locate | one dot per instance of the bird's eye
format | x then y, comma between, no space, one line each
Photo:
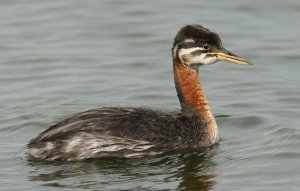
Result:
205,46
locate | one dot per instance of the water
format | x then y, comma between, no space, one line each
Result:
62,57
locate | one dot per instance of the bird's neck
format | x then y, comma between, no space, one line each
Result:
194,104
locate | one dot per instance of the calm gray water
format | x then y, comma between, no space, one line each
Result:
61,57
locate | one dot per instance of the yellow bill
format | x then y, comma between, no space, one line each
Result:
230,57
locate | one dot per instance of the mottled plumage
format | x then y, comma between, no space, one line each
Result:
116,132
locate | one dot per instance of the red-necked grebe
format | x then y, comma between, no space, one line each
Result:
136,132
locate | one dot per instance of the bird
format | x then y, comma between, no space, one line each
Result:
129,132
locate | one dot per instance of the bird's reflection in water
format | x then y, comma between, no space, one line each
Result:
187,170
199,172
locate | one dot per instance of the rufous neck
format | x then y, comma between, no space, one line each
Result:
190,93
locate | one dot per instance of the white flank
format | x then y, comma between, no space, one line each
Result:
73,143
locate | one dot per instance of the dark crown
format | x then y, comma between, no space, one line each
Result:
199,34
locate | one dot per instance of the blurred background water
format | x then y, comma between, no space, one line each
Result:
61,57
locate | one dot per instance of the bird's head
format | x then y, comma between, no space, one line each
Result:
195,45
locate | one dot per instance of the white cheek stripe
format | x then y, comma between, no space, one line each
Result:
199,59
186,52
196,59
189,50
189,40
175,51
203,59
